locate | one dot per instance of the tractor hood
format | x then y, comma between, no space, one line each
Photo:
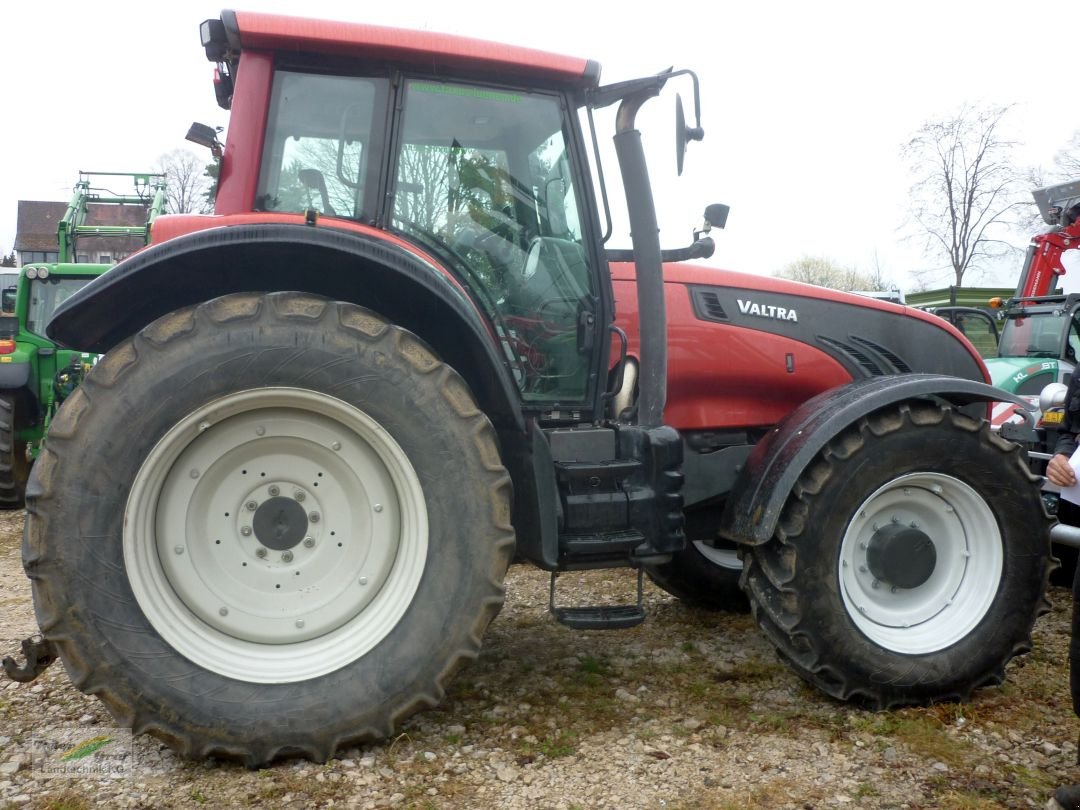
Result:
868,336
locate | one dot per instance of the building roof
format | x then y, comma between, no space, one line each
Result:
37,221
36,228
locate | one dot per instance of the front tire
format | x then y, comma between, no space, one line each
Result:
703,576
909,563
268,525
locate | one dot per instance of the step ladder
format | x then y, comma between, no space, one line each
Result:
599,617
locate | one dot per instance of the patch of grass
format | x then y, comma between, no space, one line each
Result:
777,793
963,800
921,731
68,800
866,791
562,744
595,666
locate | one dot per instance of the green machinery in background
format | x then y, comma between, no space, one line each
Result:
35,374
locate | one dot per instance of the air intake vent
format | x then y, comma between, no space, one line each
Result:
707,306
852,357
898,364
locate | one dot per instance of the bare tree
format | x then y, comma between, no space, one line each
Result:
187,183
968,192
826,273
1067,160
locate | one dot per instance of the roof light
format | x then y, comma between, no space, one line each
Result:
996,302
31,272
43,272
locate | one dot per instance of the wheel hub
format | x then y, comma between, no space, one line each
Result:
910,593
275,534
280,523
901,555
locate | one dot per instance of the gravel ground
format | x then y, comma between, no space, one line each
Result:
689,710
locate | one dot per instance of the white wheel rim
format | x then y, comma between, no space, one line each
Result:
725,557
275,535
957,594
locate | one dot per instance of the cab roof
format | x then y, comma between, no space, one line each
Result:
285,34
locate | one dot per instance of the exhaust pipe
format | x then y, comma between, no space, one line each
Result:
645,236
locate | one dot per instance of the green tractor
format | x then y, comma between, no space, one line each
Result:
35,374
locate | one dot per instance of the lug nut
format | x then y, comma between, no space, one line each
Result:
309,542
314,517
251,506
246,531
299,496
286,556
275,490
260,553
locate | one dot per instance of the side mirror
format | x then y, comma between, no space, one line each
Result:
204,135
716,215
684,134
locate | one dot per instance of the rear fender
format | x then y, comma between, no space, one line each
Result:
754,505
380,274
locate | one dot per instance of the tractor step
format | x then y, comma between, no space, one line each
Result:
599,617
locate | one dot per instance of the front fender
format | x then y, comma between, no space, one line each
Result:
754,505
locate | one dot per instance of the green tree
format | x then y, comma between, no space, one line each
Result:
212,174
8,260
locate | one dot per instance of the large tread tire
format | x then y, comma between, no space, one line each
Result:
87,568
14,466
848,636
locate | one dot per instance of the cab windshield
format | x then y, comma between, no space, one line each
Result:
1040,334
46,294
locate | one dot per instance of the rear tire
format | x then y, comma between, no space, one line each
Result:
14,466
849,592
268,525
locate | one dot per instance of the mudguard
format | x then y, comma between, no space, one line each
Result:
14,375
380,274
754,505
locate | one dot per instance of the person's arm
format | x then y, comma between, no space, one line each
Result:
1058,469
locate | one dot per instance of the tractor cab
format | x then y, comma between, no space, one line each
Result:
480,178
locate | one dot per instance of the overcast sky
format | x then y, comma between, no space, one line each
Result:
805,105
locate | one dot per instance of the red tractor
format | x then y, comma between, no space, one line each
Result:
276,516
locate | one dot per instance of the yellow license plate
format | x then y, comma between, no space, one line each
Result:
1053,417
